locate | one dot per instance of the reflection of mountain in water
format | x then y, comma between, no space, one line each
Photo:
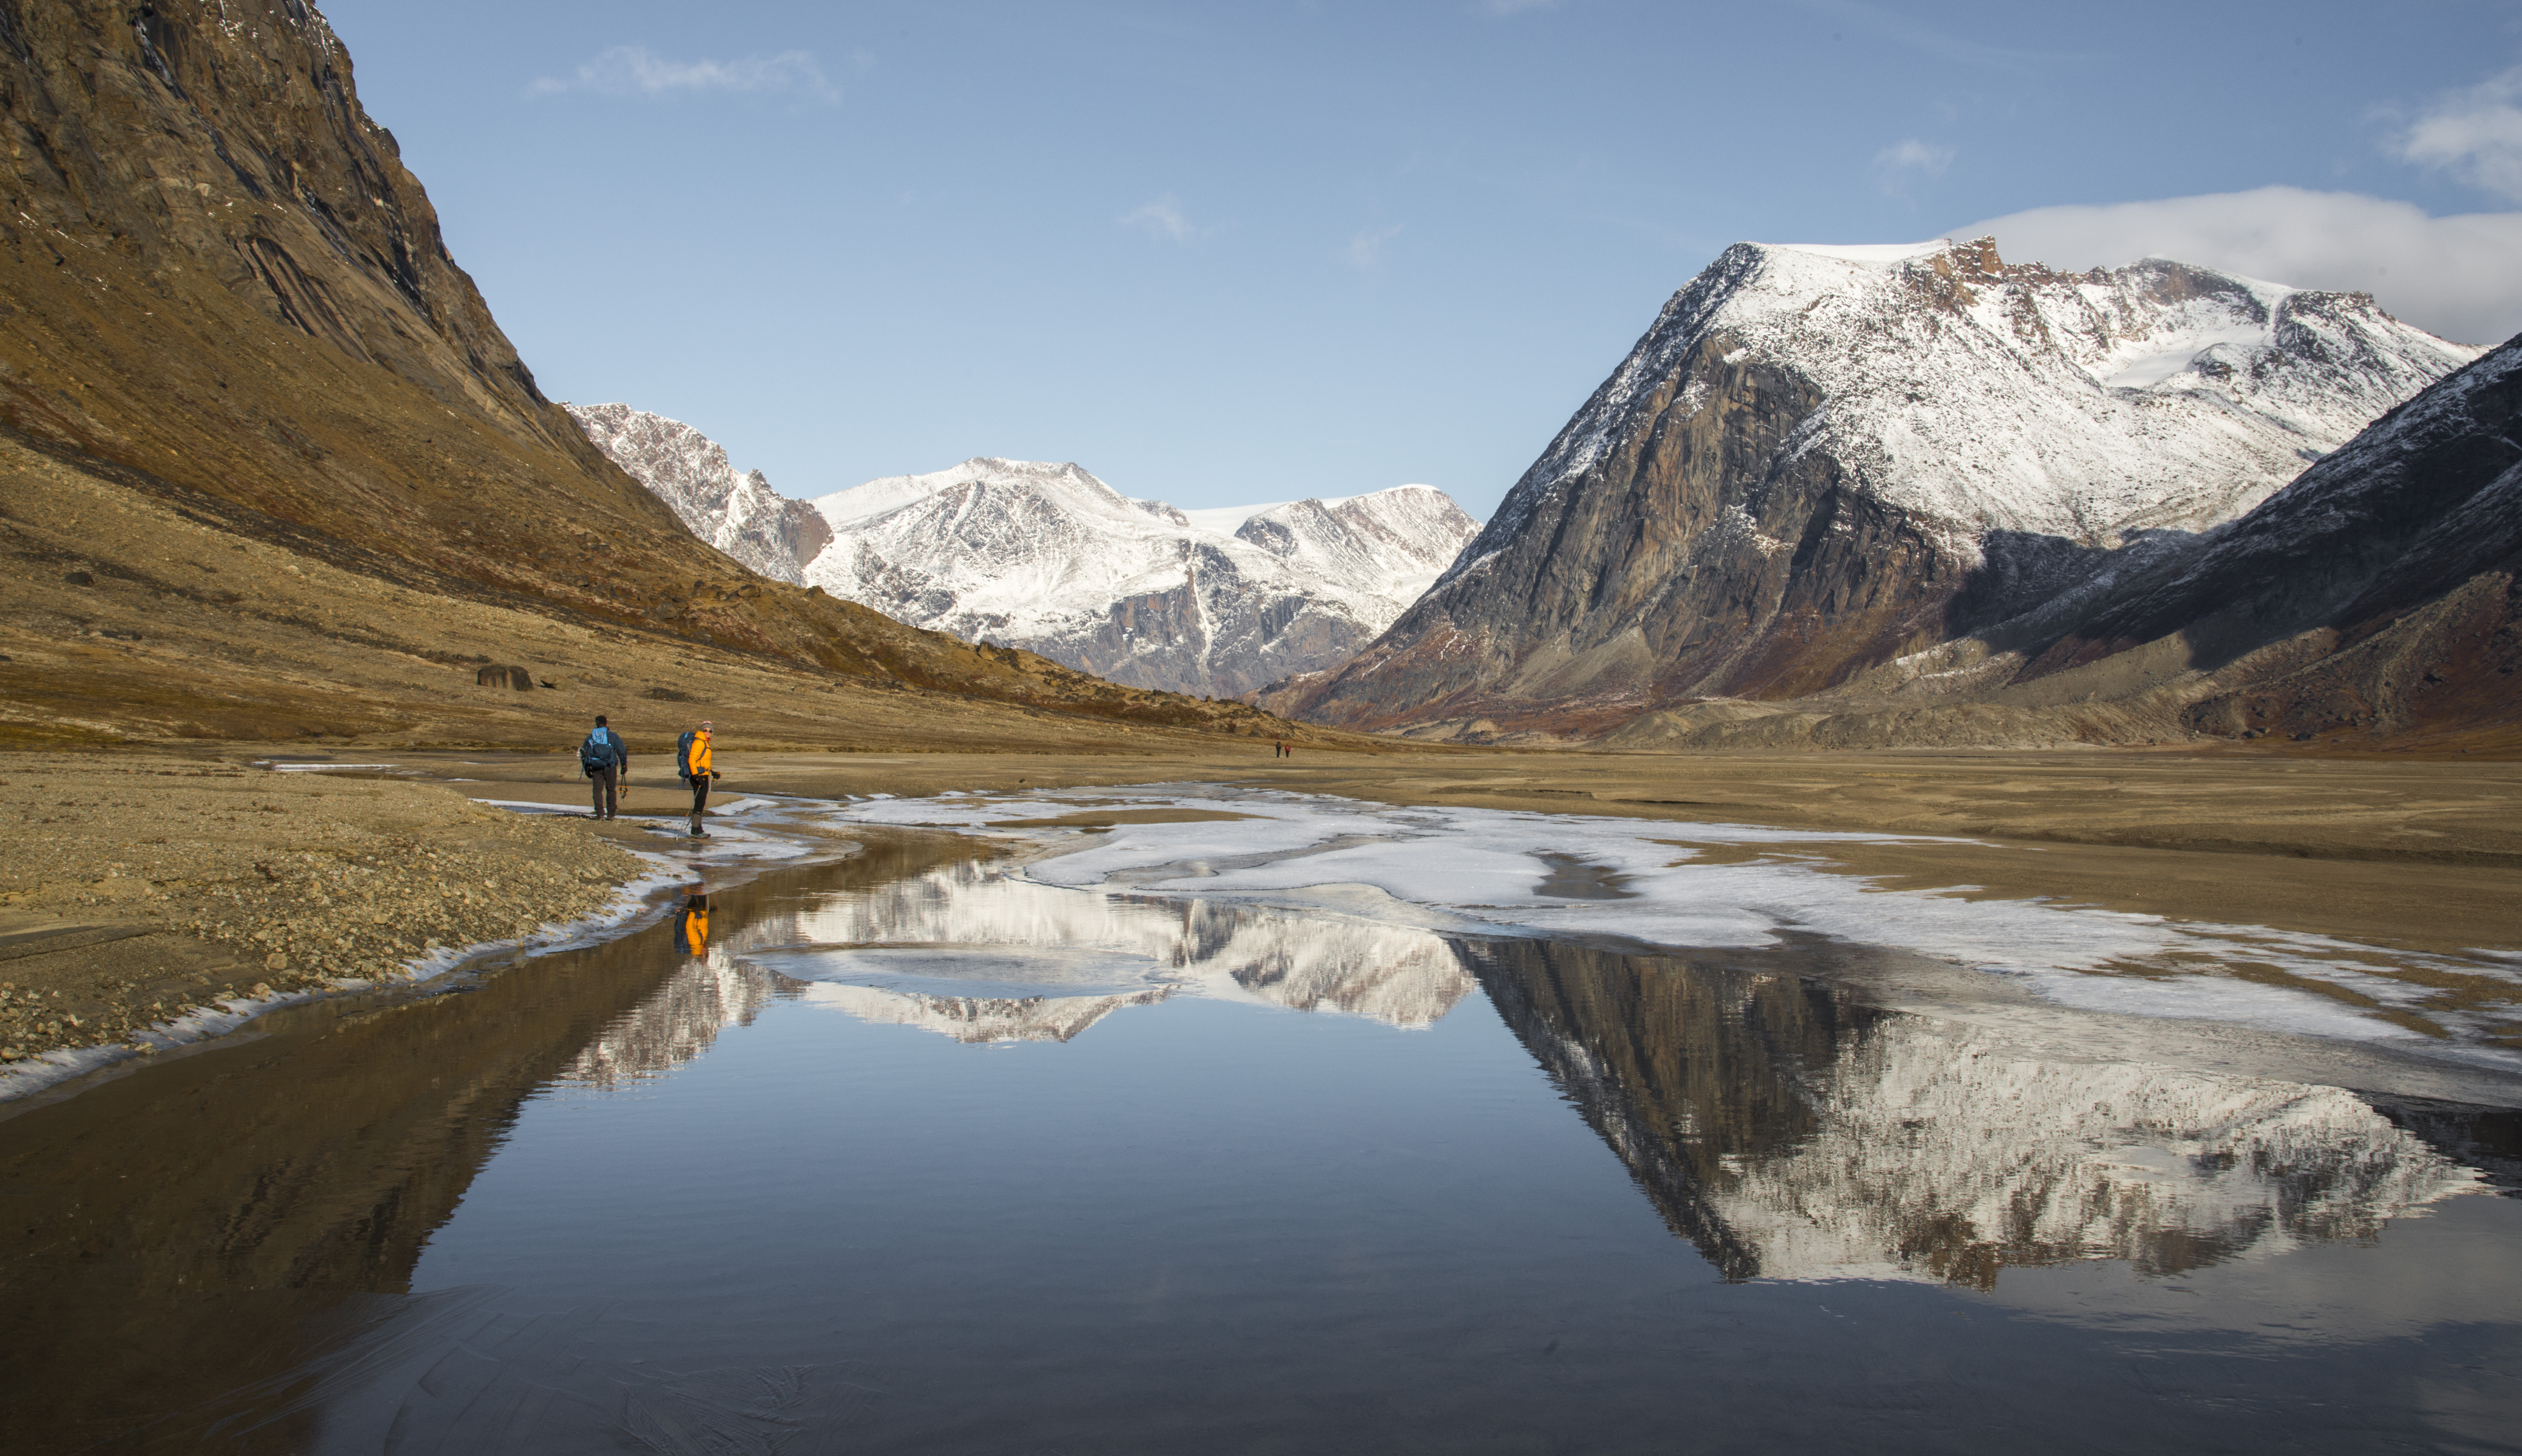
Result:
1793,1133
675,1023
980,1018
1402,976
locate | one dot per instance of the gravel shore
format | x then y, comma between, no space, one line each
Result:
141,888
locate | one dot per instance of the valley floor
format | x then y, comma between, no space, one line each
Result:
145,884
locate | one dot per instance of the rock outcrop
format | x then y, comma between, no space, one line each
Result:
739,514
1822,461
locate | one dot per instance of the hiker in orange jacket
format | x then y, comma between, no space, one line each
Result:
698,773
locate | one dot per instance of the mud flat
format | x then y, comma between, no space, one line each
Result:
2425,855
146,885
143,889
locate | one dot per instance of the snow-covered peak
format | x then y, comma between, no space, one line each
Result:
1051,558
1041,555
1067,482
1403,538
1991,397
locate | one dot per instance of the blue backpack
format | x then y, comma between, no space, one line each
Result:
596,752
683,753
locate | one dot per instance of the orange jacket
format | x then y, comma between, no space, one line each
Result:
700,756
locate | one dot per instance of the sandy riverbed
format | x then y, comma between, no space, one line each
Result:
247,865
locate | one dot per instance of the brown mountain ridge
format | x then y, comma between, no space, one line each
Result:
230,328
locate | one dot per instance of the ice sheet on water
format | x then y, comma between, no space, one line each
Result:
1485,869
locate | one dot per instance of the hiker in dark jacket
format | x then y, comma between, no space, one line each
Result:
607,760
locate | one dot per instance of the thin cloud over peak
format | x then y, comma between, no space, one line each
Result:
1161,218
2451,275
1366,250
636,70
2475,133
1896,167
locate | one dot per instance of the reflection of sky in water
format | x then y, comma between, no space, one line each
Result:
968,971
1494,869
1782,1124
1514,1194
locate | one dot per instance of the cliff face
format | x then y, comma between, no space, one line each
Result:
2376,596
225,303
739,514
220,273
1819,460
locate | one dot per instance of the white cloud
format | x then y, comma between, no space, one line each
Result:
1896,167
2475,134
2454,276
1161,218
1366,250
636,70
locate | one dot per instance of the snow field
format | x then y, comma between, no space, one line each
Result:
1481,869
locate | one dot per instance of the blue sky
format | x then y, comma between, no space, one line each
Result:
1235,253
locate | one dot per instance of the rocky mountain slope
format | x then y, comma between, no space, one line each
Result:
739,514
2370,604
1822,461
230,319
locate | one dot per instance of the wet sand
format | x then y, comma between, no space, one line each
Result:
140,889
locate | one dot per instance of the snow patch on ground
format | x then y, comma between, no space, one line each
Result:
1482,870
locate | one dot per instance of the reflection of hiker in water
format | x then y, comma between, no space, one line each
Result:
695,925
692,762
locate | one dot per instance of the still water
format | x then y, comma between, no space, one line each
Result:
920,1151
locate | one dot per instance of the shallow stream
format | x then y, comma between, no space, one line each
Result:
1134,1147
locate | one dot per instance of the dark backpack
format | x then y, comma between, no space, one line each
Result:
683,753
595,752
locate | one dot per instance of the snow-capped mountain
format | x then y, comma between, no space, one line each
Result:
739,514
1820,459
1049,558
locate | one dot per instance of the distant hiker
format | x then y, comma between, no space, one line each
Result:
692,762
1278,748
694,929
606,760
